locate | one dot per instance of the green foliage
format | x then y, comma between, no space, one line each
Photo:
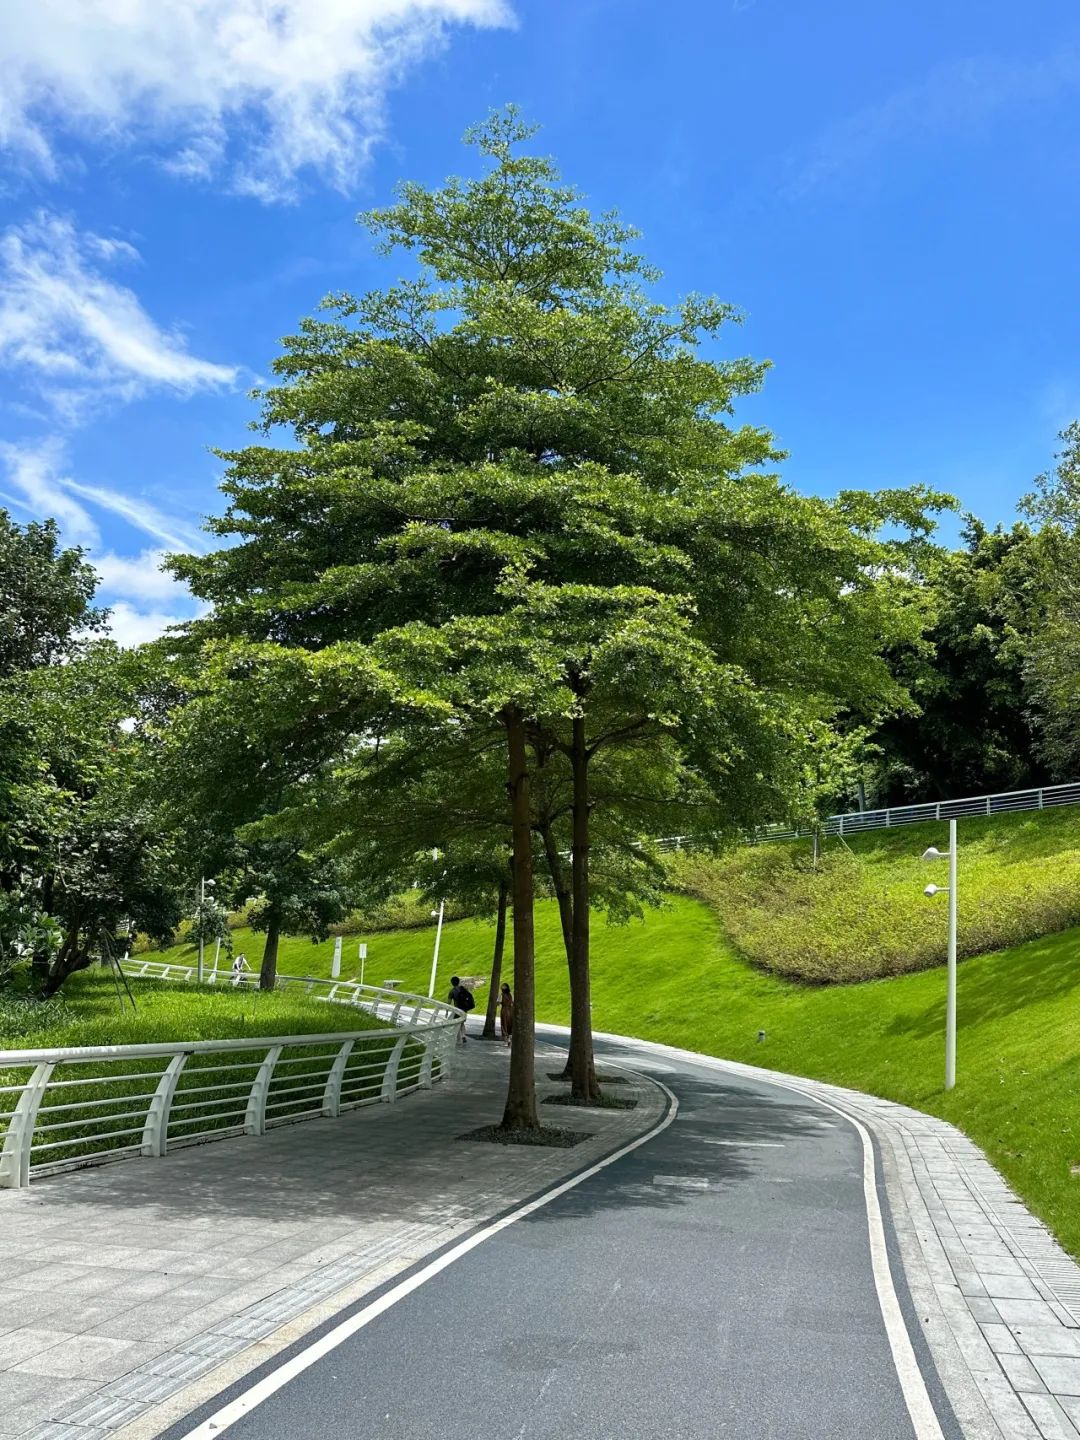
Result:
45,595
861,913
81,853
973,730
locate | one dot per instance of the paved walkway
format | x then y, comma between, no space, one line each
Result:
130,1291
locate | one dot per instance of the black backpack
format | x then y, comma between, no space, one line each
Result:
463,999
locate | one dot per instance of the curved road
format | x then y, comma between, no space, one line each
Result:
717,1281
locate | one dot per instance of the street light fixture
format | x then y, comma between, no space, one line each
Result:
933,853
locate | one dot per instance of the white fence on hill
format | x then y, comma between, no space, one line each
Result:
853,822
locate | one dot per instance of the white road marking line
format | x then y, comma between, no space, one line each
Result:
923,1416
748,1144
255,1394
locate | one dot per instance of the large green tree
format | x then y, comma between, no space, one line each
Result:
513,498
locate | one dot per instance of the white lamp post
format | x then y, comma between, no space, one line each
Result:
950,996
203,883
438,937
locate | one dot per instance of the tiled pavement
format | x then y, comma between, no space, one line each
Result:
129,1291
998,1299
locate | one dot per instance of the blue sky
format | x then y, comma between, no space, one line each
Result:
889,191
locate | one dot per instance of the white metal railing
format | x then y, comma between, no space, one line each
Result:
852,822
397,1006
64,1108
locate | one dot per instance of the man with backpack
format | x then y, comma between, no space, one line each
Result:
461,997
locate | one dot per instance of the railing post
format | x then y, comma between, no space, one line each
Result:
255,1118
390,1074
988,810
428,1043
1040,798
396,1012
15,1156
841,824
331,1100
155,1137
415,1019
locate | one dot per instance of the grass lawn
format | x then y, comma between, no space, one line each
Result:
90,1014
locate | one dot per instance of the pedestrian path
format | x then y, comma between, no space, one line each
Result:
129,1292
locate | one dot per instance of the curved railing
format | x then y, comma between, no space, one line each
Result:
69,1107
375,999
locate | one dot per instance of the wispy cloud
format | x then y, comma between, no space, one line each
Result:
140,513
957,97
258,91
38,484
78,335
35,485
143,600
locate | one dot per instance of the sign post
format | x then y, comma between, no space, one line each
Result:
335,968
363,959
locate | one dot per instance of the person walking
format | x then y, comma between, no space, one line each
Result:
461,997
506,1012
239,966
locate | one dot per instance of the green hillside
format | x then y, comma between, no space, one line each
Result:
861,913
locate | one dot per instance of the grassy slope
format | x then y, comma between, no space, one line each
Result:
675,978
861,914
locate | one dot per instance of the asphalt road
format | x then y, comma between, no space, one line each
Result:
715,1282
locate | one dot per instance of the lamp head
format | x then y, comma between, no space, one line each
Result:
932,890
933,853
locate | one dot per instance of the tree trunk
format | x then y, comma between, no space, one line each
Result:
496,963
520,1112
560,885
268,968
68,959
583,1084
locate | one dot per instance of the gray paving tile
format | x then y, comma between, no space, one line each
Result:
1060,1374
1052,1421
1049,1340
89,1357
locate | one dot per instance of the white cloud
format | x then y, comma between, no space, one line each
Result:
140,513
42,489
264,89
138,577
129,626
78,334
